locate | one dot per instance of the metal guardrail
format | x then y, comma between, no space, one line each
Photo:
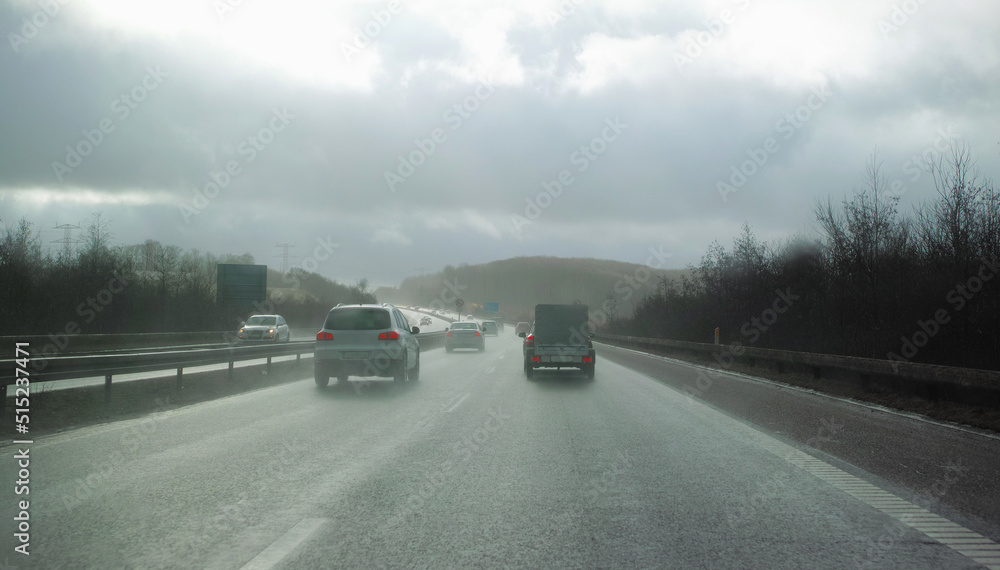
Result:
44,368
968,383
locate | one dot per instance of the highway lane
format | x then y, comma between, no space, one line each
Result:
472,465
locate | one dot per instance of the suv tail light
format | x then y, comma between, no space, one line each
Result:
477,333
322,335
447,333
391,335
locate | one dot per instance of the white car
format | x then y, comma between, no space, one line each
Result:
366,341
264,328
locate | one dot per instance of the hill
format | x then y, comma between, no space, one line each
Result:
518,284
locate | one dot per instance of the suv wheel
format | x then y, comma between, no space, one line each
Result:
415,373
322,379
399,376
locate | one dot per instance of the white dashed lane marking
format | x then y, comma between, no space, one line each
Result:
282,547
457,403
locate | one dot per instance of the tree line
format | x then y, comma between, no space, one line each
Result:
877,282
105,288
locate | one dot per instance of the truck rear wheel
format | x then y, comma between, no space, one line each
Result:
529,370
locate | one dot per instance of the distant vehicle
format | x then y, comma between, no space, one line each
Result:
264,328
559,338
366,341
490,328
464,335
521,327
425,321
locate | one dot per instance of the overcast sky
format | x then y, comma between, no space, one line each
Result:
417,134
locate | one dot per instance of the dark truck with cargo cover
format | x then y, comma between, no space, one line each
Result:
560,339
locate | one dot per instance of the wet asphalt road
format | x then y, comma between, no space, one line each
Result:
474,466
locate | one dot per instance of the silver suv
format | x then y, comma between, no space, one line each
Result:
367,341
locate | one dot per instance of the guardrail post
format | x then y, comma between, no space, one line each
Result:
298,356
107,388
180,378
268,364
3,405
816,372
230,370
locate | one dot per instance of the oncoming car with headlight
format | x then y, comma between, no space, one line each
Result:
264,328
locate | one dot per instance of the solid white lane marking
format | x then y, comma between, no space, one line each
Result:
491,369
282,547
452,407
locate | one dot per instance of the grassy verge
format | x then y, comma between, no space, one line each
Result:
981,417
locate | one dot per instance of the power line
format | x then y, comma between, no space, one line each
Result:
67,239
285,256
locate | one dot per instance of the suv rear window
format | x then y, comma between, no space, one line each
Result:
359,319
